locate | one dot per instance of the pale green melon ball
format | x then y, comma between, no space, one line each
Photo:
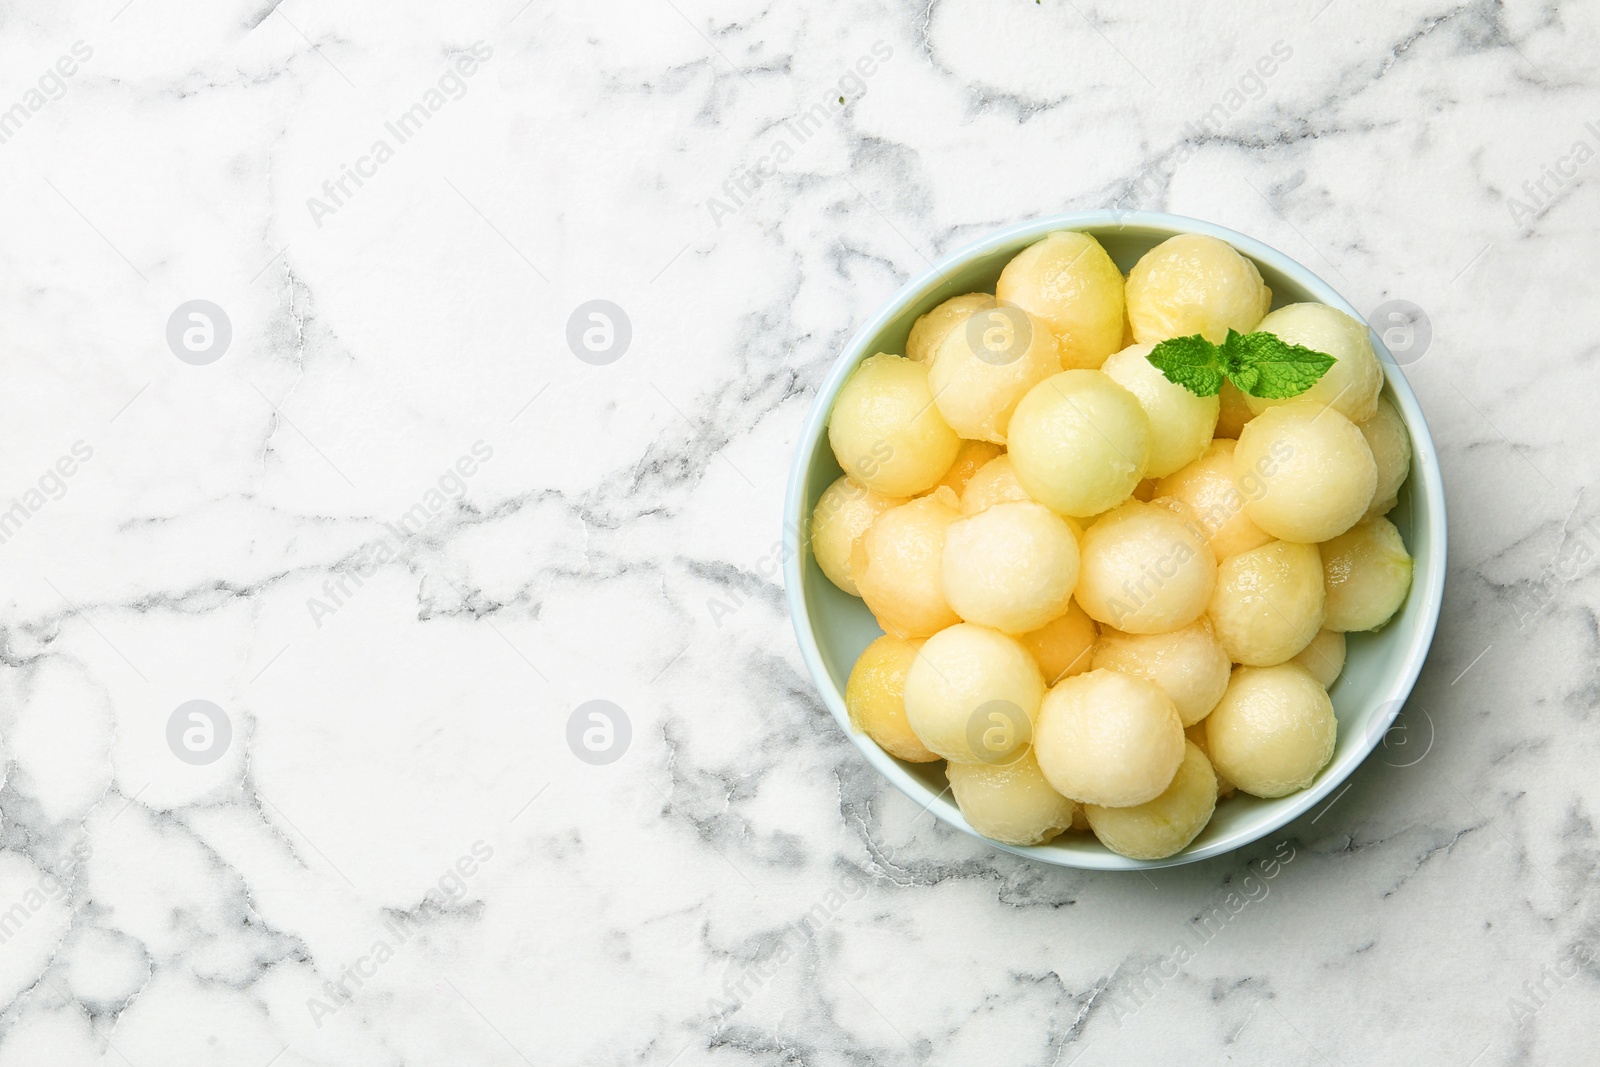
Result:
1164,826
1079,443
1192,284
843,513
972,694
1106,738
1268,603
1010,802
1317,473
932,327
1012,566
1273,730
1367,573
1181,424
1070,282
984,367
1390,442
885,430
1352,384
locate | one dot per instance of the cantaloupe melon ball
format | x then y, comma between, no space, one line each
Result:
983,368
1105,738
1323,657
1013,566
843,513
1233,413
1390,442
1145,569
1317,473
1269,602
1063,646
931,328
1192,284
1079,443
1188,664
994,483
885,430
972,694
1010,802
1068,281
1196,736
1181,424
1367,573
875,696
1272,731
1210,489
972,457
1164,826
1351,385
896,564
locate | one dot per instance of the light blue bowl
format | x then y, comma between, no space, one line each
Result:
833,627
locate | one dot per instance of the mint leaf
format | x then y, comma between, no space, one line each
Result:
1265,365
1192,362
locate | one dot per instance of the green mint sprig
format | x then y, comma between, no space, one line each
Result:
1261,364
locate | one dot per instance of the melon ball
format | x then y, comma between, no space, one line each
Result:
1233,411
972,457
1068,281
1351,385
994,483
1323,657
1272,731
1164,826
985,367
1192,284
1010,802
1367,573
1390,441
932,327
1105,738
1145,570
896,566
1189,665
1196,736
1269,602
1181,424
972,694
885,430
1063,646
1211,490
843,513
1079,443
875,696
1013,566
1317,473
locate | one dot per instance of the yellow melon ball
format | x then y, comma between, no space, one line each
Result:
875,696
1079,443
1192,284
1210,489
972,694
1367,573
1233,411
1351,385
1063,646
1105,738
1010,802
896,566
1181,424
1317,473
1268,603
994,483
1196,736
972,457
843,513
1164,826
1323,657
1390,441
1068,281
1145,569
931,328
1012,566
983,368
1272,731
1188,664
885,430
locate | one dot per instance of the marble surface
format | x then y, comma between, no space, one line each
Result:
398,535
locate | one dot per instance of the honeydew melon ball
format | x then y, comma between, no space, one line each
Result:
1234,411
896,565
1079,443
875,696
972,457
1012,566
986,365
1192,284
1317,475
1390,442
932,327
1063,646
1145,569
1010,802
843,513
1273,730
1367,573
1164,826
1070,282
1269,602
1352,384
1106,738
1323,657
994,483
1210,489
1196,736
972,694
885,430
1188,664
1181,424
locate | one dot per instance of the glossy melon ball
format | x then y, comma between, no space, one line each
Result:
1105,738
1196,736
1233,412
971,458
1181,423
1323,657
896,566
1063,646
1010,802
1367,573
885,430
1164,826
983,368
843,513
1079,443
1210,489
875,696
1272,731
1317,473
1068,281
1012,566
1145,569
1351,385
1189,665
972,694
1390,442
1269,602
1192,284
932,327
994,483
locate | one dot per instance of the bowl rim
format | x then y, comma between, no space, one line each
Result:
1430,499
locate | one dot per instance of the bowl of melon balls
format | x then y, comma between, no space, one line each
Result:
1116,539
